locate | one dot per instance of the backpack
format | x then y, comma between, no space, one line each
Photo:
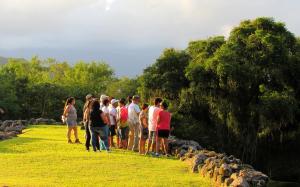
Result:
123,114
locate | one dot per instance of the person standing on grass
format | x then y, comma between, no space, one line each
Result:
98,126
163,128
133,121
86,112
122,118
152,122
129,101
143,118
113,120
70,115
105,111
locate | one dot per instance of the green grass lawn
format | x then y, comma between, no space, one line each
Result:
42,157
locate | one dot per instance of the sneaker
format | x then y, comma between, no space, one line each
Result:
70,141
77,141
157,154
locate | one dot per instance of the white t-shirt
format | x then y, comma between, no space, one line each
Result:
133,110
105,109
152,118
112,114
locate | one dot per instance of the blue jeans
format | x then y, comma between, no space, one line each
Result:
87,135
102,133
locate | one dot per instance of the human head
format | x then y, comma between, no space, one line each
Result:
95,105
157,101
89,97
145,107
129,99
114,102
122,102
105,102
70,101
103,97
136,99
164,105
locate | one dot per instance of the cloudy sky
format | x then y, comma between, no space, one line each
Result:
127,34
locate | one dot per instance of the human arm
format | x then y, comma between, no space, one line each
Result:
66,111
104,118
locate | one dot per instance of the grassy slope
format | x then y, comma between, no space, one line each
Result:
41,157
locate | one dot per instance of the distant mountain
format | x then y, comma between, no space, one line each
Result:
3,60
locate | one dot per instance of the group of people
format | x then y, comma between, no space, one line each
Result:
140,128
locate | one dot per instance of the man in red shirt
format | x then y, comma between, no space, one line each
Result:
163,128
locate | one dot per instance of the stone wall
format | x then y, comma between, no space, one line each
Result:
11,128
223,170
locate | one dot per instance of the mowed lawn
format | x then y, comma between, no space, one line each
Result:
42,157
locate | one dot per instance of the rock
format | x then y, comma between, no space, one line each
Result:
181,154
198,160
228,181
225,170
234,176
18,128
211,154
240,182
32,121
255,178
225,160
7,123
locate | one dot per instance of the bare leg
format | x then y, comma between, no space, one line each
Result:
69,134
154,146
158,145
166,146
131,139
149,145
75,132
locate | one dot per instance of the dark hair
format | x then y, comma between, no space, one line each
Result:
157,100
105,102
69,101
145,105
129,99
95,105
164,104
122,101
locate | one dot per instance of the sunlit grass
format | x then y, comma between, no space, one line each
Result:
42,157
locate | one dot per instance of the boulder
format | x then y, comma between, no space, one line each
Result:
225,170
18,128
198,160
228,181
240,182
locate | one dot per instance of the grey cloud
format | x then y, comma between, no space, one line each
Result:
131,32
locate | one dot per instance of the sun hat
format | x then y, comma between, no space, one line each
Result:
88,96
103,97
113,101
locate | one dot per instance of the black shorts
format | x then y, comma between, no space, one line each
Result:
163,133
112,130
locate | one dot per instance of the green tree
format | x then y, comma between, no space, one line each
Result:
166,76
123,87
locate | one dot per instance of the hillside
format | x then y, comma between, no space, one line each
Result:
41,157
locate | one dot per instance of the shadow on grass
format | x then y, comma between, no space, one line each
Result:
11,145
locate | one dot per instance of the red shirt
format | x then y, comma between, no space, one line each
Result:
165,120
